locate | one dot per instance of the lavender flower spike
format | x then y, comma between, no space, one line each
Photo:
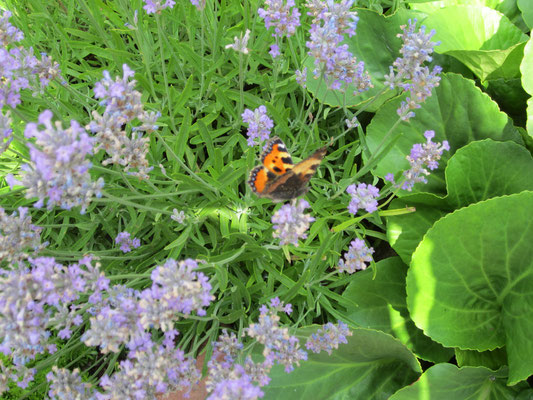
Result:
363,196
328,337
290,223
240,44
356,257
126,242
259,124
156,6
283,15
59,169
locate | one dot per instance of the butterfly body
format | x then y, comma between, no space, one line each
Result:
278,178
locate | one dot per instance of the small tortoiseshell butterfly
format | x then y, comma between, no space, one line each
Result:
279,178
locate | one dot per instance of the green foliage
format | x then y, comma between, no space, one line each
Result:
453,271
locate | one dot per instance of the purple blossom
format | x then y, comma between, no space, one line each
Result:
328,337
259,124
177,288
239,44
274,51
239,387
199,4
8,33
301,77
334,61
355,258
59,169
282,15
290,222
422,156
280,346
407,71
6,133
126,242
123,105
152,371
363,196
66,384
156,6
17,235
37,298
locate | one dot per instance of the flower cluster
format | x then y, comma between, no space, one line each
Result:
177,288
280,346
333,60
39,298
229,380
283,15
124,315
19,68
122,106
356,257
155,370
199,4
6,133
17,234
239,44
126,242
363,196
63,381
422,156
328,337
410,75
290,222
178,216
59,169
259,124
301,77
153,7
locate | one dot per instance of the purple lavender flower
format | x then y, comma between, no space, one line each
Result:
156,6
8,33
422,156
355,258
199,4
59,169
123,105
328,337
238,386
290,222
17,234
177,288
410,75
6,133
33,300
115,321
155,370
282,15
274,51
280,347
333,61
259,124
301,77
19,68
68,384
351,123
363,196
240,43
126,242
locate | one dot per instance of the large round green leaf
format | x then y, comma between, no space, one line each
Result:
469,285
481,38
457,111
373,365
375,43
381,305
527,81
446,381
476,172
526,7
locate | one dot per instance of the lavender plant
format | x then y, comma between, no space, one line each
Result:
176,278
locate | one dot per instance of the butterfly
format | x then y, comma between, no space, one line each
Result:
278,178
